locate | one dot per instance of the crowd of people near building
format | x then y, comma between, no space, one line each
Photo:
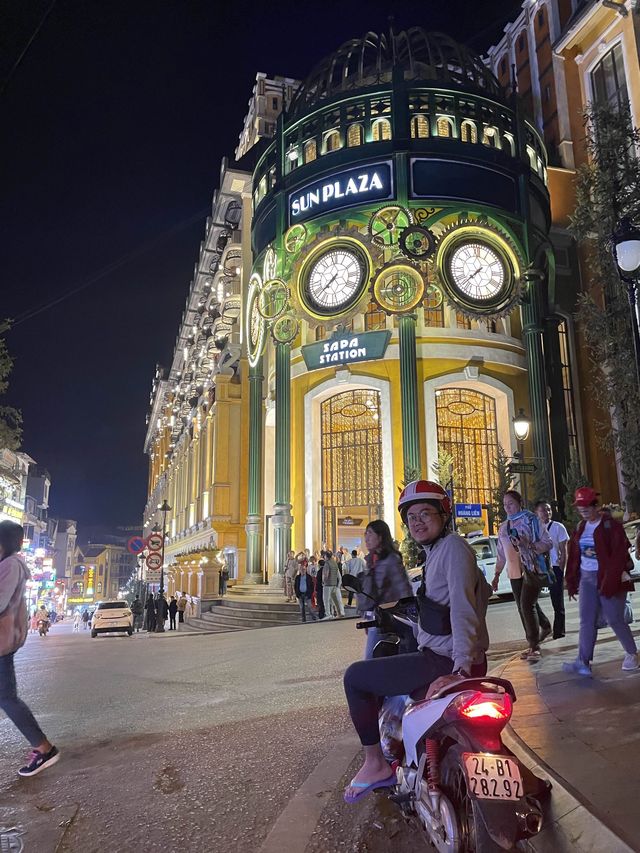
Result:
315,581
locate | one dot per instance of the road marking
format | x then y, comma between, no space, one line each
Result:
292,829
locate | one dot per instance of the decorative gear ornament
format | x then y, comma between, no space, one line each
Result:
480,269
273,299
386,225
285,329
398,287
255,326
270,264
417,242
295,238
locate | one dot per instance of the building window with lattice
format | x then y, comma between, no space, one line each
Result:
331,141
467,429
310,151
374,318
355,135
462,321
419,127
468,132
433,307
445,126
381,129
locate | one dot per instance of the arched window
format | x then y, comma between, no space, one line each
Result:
510,143
445,127
355,135
381,129
467,429
419,127
331,141
374,318
433,307
490,137
310,151
468,131
99,589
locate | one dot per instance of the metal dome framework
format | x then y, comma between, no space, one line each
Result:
370,60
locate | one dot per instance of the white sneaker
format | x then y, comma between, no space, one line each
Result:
630,663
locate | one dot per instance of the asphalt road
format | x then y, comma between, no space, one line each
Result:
192,742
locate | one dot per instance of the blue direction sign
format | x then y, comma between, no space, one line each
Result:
136,544
468,510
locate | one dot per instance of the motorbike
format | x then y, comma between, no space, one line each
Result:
43,627
465,790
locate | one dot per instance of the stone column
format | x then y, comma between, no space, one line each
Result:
282,518
253,524
409,393
532,330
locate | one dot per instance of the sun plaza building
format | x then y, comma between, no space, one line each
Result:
377,286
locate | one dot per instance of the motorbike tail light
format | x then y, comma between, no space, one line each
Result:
481,709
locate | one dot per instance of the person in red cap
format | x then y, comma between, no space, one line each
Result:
597,572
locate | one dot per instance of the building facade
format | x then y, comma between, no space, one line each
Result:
566,55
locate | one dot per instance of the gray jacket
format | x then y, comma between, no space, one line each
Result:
452,578
386,581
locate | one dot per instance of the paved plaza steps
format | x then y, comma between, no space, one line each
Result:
251,608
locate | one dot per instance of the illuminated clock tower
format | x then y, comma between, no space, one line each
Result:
396,304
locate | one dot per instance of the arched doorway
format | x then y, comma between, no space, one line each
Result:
351,454
467,429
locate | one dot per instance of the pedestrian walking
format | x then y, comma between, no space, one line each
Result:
173,609
558,556
290,571
524,546
320,589
385,578
85,619
150,608
14,575
303,587
598,573
77,618
330,592
182,606
355,565
34,622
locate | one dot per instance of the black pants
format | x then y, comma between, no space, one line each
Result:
366,682
172,622
532,616
151,621
180,616
556,591
350,599
319,588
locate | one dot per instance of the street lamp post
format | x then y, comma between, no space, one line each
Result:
625,243
164,509
521,427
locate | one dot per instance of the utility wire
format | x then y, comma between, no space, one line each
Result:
105,271
26,47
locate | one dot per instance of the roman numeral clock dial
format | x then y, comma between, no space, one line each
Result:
477,270
333,281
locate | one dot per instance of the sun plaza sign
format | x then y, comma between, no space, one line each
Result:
344,348
360,185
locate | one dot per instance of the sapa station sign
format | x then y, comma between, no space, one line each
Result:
342,189
344,348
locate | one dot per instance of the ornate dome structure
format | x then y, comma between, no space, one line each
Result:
370,60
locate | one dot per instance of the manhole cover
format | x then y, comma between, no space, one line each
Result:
11,840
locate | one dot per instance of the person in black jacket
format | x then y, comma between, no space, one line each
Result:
137,608
319,589
150,607
173,609
303,588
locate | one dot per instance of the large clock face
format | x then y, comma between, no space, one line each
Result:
477,270
334,281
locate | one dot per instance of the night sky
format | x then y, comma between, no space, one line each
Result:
114,124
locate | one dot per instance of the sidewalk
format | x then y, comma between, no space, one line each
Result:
585,733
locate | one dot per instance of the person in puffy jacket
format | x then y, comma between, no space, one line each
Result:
385,578
13,632
598,573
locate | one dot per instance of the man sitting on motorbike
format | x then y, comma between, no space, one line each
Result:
452,636
43,616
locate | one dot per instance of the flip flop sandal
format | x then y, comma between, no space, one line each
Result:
367,787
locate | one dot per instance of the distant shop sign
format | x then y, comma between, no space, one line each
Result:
468,510
373,182
12,512
344,348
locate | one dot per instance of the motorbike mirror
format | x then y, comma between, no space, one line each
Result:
351,583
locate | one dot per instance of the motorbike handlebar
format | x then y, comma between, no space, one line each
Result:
371,624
